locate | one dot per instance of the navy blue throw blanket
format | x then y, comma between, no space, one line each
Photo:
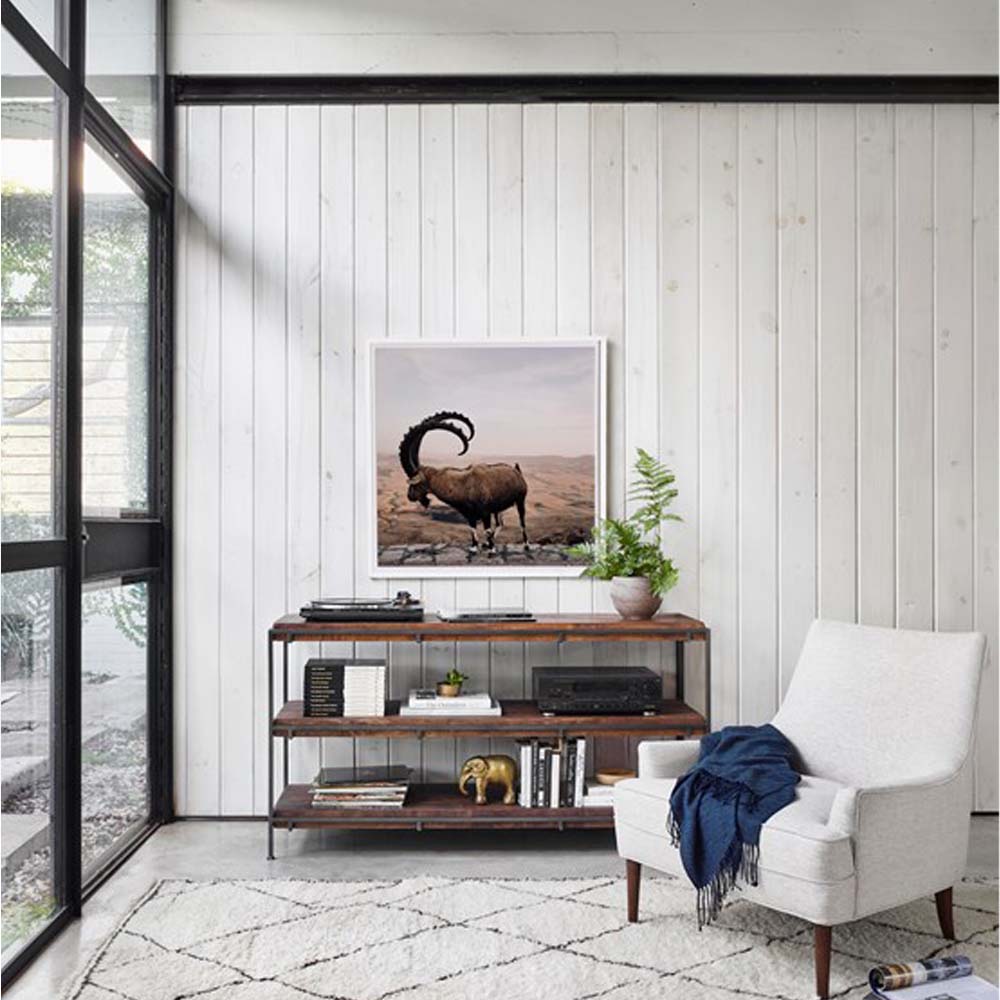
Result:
744,775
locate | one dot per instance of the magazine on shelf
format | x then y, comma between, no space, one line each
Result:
949,978
492,708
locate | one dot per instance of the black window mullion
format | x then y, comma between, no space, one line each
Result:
67,680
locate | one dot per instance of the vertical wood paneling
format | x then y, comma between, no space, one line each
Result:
986,364
607,294
876,451
236,641
337,403
717,401
269,414
573,287
303,394
953,355
800,306
914,367
837,263
757,402
797,384
202,455
679,284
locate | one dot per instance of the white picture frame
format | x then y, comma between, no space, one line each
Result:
380,554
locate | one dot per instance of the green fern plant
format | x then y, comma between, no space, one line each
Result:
632,546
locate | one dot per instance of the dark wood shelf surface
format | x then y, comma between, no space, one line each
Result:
520,718
434,807
545,628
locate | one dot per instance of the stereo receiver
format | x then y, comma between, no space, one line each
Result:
596,690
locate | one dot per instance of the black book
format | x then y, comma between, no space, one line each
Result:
569,785
324,688
535,751
544,773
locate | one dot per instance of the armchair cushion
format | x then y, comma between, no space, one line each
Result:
796,841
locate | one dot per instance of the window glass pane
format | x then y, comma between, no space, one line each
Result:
114,750
29,122
26,824
115,335
121,65
41,15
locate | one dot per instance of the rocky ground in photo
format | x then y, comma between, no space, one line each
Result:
457,555
559,509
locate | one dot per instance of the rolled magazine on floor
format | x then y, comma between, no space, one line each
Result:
933,979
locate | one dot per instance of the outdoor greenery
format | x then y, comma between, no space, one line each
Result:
115,287
632,546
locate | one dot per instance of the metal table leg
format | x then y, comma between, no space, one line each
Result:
284,693
708,681
270,749
679,670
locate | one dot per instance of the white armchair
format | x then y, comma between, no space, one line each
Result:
882,721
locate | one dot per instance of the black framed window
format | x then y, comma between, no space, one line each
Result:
85,513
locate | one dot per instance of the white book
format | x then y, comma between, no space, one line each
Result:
581,771
554,758
524,776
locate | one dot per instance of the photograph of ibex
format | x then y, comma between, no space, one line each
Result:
487,457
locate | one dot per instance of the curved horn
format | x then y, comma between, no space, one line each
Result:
409,447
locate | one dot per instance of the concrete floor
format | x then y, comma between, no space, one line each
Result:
204,849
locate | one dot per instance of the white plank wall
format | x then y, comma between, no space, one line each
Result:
800,304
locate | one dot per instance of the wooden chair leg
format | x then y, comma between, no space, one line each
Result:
633,872
946,916
822,942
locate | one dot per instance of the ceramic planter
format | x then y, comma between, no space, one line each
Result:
633,599
449,690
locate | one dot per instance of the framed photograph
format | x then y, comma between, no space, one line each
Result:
487,457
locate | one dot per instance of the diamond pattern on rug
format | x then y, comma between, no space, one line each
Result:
182,920
263,952
414,961
661,897
553,922
550,973
779,969
495,939
165,976
670,944
444,902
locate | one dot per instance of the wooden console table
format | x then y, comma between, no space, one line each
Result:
435,806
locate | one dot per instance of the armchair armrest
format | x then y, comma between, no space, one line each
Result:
667,758
909,839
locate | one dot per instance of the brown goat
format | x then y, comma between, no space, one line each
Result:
480,492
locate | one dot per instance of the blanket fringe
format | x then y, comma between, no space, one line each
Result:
739,865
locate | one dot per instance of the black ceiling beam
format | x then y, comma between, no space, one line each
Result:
528,89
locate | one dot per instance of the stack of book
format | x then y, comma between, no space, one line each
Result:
425,701
344,687
599,796
360,788
552,775
364,689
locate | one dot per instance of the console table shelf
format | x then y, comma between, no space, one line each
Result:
519,719
434,806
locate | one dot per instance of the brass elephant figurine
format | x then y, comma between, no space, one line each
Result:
493,769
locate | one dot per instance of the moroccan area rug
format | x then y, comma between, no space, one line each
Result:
496,939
